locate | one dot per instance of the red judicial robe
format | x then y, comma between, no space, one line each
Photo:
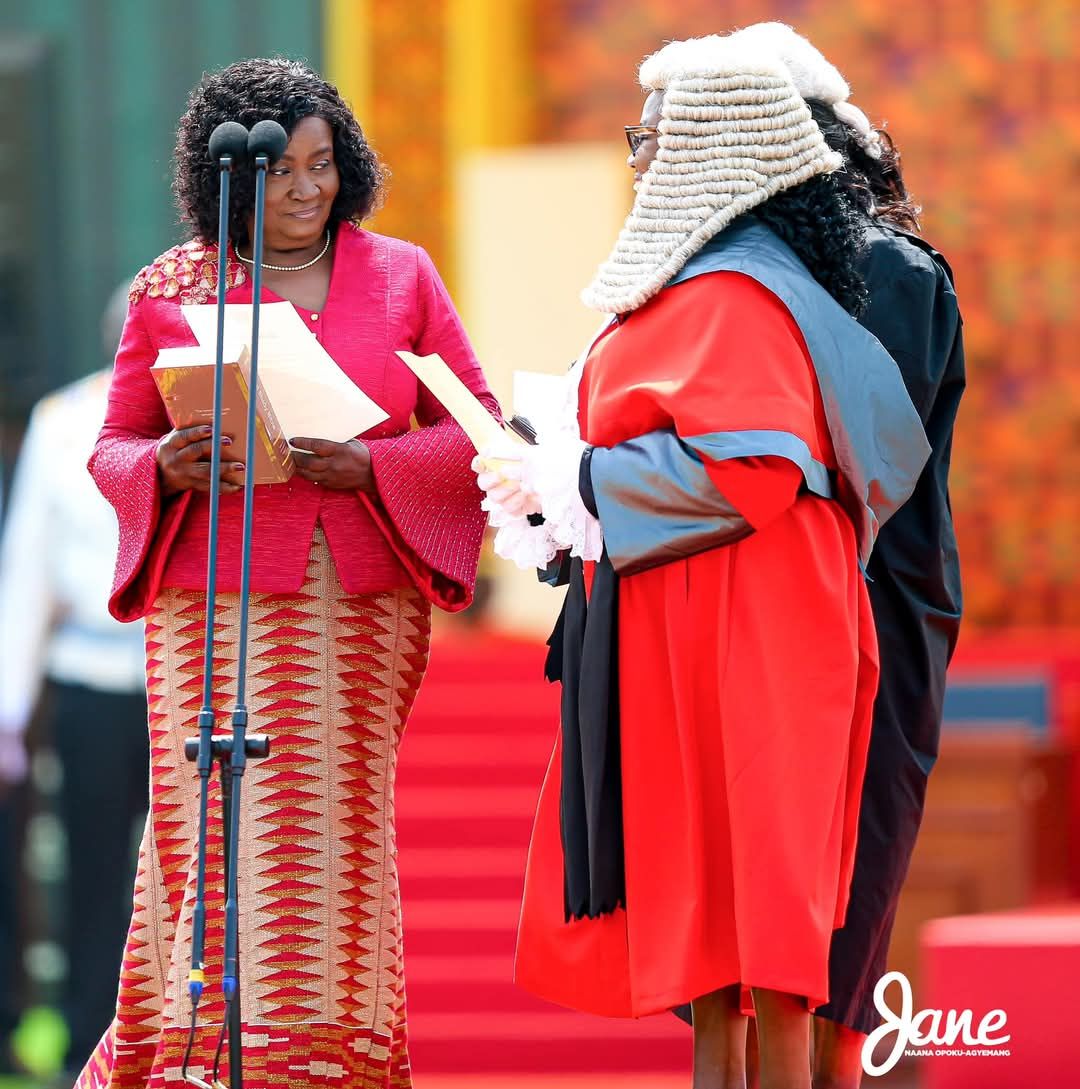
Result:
747,675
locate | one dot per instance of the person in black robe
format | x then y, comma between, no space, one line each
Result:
914,591
914,586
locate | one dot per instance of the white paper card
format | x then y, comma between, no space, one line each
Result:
482,429
312,396
540,398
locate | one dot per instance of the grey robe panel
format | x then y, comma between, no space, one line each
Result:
654,498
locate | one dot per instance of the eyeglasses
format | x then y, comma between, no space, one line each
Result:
636,135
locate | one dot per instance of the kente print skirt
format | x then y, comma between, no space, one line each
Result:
331,678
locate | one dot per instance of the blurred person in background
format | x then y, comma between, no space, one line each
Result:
56,557
696,831
914,572
348,558
12,773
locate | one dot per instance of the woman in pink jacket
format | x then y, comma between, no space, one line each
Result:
347,559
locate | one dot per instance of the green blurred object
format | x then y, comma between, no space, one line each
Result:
39,1044
90,93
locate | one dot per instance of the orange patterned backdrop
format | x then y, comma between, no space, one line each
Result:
983,98
406,120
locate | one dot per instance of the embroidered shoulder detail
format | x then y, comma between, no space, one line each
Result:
187,273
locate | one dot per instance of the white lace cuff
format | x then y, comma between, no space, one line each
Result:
517,540
552,472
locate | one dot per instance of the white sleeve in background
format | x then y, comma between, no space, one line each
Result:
27,596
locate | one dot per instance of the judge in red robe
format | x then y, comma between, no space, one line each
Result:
738,439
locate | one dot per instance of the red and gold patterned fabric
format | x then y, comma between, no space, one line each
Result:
187,273
331,678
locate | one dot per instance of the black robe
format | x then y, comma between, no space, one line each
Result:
915,594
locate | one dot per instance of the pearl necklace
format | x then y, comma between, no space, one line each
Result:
289,268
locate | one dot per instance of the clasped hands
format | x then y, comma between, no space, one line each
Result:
521,480
183,458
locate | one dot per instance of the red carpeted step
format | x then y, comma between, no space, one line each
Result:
490,1043
1022,963
473,758
420,944
462,831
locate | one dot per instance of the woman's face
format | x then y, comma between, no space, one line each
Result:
300,188
650,118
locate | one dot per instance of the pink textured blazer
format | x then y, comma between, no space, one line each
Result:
424,527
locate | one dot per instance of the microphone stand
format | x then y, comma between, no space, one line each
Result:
266,143
228,142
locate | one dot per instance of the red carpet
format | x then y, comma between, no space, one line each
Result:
471,766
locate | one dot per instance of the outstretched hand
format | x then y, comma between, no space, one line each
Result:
345,466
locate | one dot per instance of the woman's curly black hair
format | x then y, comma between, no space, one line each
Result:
285,91
876,185
821,222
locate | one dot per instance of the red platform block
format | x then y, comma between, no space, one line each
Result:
1025,963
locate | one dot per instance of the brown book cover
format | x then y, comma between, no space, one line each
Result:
185,380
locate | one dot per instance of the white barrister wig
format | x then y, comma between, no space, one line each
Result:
733,132
812,74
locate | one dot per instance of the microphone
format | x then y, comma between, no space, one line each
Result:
267,138
230,139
